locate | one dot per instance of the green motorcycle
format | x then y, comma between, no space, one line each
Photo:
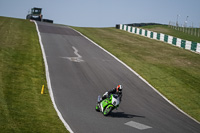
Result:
108,104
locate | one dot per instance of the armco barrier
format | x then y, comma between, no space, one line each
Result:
193,46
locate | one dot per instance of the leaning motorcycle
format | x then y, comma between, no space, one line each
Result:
108,104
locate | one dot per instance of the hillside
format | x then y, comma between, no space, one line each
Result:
173,71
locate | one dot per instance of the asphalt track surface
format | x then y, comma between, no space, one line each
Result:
80,71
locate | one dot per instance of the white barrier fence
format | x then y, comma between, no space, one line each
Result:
189,45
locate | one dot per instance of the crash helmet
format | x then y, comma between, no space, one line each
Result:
119,88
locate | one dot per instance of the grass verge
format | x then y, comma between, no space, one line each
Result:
171,70
22,74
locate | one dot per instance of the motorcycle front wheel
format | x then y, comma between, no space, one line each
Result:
107,110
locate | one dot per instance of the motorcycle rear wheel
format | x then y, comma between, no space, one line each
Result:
97,108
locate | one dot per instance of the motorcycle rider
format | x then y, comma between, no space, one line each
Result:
117,90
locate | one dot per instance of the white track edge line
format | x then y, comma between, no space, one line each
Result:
139,77
49,82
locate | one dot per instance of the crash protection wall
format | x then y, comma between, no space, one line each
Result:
189,45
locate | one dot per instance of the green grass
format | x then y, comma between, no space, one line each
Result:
22,74
171,70
169,31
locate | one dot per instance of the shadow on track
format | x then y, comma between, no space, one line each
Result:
123,115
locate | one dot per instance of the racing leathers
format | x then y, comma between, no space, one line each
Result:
112,91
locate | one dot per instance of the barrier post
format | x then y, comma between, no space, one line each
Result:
42,91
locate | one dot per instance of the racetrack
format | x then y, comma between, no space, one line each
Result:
80,71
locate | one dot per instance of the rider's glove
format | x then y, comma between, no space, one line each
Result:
105,94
